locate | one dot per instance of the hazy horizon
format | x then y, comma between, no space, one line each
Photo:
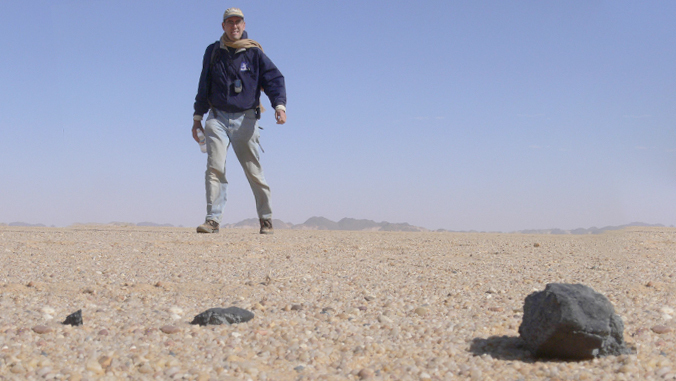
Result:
486,116
147,223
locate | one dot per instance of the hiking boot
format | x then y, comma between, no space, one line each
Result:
208,226
266,226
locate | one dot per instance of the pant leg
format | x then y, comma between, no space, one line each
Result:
216,184
244,136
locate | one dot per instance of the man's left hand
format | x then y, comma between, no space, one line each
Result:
280,116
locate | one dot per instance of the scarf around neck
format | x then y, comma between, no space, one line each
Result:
243,43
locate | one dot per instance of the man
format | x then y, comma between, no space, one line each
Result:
234,70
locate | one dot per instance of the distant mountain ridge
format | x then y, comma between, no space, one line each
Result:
352,224
322,223
591,230
24,224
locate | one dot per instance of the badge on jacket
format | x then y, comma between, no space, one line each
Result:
243,67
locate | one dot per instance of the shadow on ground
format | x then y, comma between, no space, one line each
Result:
502,347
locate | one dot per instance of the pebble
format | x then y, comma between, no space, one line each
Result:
105,361
170,329
41,329
48,313
176,310
365,374
94,366
663,371
421,311
172,371
660,329
44,371
146,369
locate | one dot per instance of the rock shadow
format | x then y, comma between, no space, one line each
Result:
502,347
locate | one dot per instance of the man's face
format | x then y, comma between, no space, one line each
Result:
234,27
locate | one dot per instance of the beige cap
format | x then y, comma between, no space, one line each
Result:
232,12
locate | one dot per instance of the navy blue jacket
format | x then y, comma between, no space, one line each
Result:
251,66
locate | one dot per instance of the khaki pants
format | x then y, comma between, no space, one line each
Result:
241,131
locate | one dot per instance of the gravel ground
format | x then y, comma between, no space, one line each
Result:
329,305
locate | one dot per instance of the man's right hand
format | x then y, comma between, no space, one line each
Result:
196,124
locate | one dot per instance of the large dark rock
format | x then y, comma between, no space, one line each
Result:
74,319
571,321
230,315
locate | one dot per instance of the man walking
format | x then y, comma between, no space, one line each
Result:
234,70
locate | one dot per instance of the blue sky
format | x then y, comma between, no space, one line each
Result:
485,115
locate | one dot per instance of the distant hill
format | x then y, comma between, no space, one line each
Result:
322,223
154,224
253,223
318,223
591,230
24,224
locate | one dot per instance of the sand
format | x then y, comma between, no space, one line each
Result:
328,305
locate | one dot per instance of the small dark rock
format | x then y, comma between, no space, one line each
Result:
296,307
299,368
216,316
74,319
326,310
571,321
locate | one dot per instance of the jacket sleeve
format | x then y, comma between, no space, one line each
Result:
272,81
202,98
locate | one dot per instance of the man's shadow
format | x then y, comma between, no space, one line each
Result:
502,347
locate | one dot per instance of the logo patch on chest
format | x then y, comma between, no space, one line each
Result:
243,67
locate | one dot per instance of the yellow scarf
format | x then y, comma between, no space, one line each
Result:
239,44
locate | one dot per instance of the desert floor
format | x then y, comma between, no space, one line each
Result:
328,305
